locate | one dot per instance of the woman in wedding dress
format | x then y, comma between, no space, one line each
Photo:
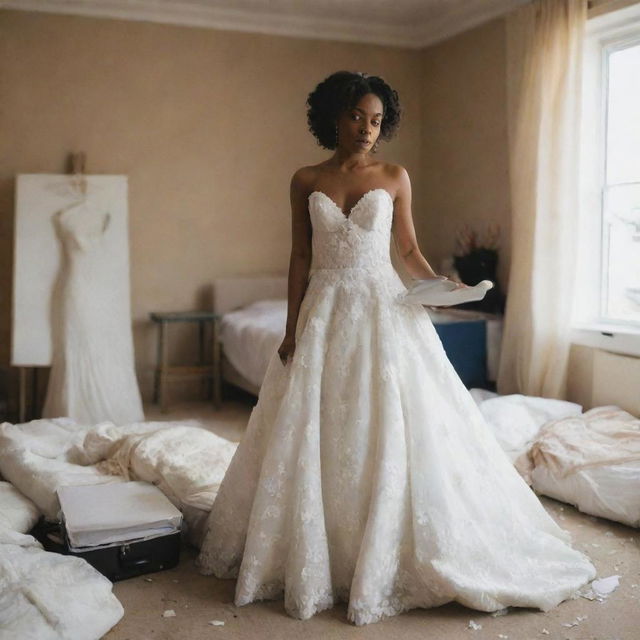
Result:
367,474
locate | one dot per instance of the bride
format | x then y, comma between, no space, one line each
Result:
367,474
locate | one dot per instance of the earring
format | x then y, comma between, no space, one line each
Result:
374,149
336,135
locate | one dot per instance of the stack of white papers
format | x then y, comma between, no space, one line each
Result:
441,292
110,514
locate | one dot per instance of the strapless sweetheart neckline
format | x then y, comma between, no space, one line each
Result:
362,197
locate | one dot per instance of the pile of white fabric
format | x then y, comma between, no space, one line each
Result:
590,459
46,595
186,462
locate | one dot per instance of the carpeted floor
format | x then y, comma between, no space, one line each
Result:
197,600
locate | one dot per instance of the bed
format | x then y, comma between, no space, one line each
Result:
254,312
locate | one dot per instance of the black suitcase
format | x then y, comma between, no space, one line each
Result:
117,562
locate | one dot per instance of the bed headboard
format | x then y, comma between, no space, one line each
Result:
232,292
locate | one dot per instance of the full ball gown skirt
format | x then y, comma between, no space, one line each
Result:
367,473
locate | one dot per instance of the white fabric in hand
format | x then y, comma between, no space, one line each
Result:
439,292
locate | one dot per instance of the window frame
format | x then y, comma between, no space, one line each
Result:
604,35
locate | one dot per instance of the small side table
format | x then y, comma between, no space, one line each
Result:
164,371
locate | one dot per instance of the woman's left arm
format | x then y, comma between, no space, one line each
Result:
404,233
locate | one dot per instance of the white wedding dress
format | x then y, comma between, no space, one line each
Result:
92,371
367,474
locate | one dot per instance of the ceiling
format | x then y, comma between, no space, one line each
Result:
403,23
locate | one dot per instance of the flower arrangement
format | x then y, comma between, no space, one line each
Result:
467,239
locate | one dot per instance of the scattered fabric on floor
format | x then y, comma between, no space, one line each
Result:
50,596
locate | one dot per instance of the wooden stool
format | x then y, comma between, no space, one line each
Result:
164,371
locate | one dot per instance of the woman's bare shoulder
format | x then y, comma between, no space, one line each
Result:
394,177
305,177
394,171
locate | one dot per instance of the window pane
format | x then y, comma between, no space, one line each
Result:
623,119
621,239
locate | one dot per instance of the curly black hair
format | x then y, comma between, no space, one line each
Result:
342,90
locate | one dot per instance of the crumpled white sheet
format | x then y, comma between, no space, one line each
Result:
48,596
591,461
586,459
34,458
186,463
515,419
17,512
601,436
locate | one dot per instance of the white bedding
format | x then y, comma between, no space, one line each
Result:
250,335
48,596
186,462
590,460
516,419
34,458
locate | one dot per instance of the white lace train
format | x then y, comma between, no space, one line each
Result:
367,473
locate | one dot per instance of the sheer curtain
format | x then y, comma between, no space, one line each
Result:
544,58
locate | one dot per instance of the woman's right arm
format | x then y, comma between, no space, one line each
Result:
300,260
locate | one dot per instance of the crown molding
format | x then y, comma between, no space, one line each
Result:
412,36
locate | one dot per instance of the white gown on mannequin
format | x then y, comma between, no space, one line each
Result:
92,373
367,474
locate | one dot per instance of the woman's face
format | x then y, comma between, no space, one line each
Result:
359,128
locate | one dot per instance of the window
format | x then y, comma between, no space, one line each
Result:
621,189
608,284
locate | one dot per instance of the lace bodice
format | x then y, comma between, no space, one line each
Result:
360,240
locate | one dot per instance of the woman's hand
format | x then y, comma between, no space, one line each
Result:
459,285
287,348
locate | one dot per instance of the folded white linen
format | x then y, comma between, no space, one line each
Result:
107,514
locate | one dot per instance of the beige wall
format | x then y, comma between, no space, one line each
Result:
208,125
464,142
